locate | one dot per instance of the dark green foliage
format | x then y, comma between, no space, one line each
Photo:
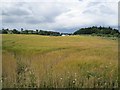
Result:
5,31
41,32
51,33
15,31
25,32
36,31
99,31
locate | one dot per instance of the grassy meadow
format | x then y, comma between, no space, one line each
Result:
59,62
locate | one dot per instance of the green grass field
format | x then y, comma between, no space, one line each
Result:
59,62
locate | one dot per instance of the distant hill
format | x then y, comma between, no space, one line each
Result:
98,31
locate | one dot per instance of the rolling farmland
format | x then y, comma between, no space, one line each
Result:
59,62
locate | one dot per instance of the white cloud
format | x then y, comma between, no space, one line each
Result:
58,14
59,0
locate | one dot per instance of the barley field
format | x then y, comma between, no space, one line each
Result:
35,61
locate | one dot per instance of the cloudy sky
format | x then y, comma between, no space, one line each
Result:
58,15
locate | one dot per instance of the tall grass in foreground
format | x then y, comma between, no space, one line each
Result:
59,62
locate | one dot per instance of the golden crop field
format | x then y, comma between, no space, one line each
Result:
59,62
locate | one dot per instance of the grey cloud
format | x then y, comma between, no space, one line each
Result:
56,16
12,20
92,8
90,11
33,13
80,0
106,10
34,20
49,11
98,9
16,10
71,30
92,4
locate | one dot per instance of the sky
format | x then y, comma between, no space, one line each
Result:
58,15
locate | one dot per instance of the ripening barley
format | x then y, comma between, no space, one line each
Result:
59,62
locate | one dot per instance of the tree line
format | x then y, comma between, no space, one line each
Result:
39,32
94,30
99,31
